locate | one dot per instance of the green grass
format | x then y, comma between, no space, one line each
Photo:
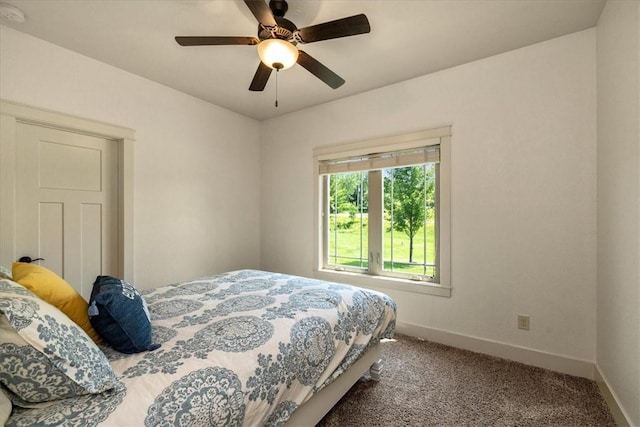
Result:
349,243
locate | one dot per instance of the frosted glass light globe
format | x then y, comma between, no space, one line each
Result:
277,54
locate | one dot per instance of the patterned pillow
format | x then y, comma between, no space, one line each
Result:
5,408
5,273
43,354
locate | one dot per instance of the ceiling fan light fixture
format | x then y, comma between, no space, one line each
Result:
277,54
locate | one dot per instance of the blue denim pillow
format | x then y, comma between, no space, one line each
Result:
119,314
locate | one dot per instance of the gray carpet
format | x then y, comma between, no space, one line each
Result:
429,384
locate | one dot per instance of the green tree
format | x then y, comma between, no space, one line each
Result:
408,196
348,192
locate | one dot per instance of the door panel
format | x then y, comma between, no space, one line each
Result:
66,204
51,243
70,167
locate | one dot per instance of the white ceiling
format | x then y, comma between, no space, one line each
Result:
408,38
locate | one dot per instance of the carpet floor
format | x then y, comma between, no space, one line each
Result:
429,384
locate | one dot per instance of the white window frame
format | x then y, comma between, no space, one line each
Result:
439,136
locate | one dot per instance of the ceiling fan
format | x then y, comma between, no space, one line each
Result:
277,40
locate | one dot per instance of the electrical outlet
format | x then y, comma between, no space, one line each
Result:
523,322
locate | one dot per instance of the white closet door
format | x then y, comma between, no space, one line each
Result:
66,203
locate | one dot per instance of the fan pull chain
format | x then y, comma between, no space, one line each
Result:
277,72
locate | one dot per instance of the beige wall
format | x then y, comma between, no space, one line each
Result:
523,190
618,291
196,165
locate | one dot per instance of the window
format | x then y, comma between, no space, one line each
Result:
383,212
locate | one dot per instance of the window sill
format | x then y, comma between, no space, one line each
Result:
359,279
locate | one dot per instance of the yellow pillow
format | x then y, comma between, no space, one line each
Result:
53,289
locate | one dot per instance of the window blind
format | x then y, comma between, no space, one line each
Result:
393,159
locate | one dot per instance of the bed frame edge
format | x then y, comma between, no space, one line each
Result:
313,410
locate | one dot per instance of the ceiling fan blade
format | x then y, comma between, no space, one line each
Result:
262,12
320,71
351,26
260,78
215,41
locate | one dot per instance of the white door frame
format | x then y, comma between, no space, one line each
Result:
12,113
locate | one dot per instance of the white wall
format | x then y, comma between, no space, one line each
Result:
196,202
523,190
618,291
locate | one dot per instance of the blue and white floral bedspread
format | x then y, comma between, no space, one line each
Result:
240,348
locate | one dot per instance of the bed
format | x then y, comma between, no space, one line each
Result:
246,347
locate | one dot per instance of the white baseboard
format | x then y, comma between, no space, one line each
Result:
528,356
619,415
